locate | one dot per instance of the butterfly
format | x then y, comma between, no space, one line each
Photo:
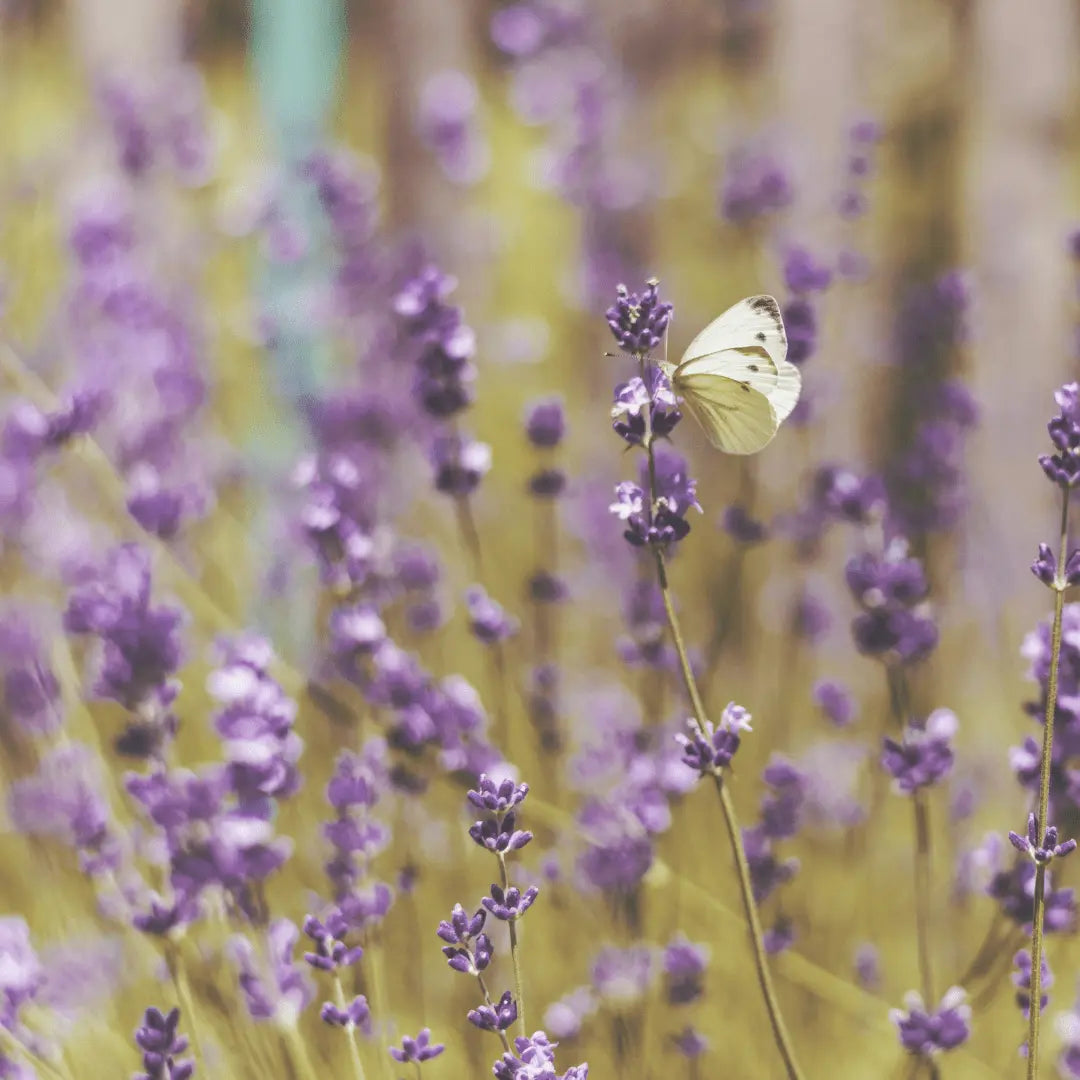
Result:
735,379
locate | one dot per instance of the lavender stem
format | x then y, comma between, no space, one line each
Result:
776,1020
1044,794
515,952
350,1031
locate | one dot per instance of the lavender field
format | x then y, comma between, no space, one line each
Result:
423,655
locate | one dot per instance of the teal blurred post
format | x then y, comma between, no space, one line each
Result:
296,53
296,50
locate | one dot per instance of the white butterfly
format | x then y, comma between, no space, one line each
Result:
735,378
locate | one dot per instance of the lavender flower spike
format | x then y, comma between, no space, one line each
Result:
417,1050
925,1032
1044,853
709,749
160,1044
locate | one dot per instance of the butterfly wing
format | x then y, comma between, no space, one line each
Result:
751,323
735,417
747,343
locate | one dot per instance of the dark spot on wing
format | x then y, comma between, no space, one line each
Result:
766,304
760,335
745,386
754,367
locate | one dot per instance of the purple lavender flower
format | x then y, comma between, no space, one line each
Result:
755,184
356,1014
1045,567
488,620
417,1050
1021,979
508,905
66,799
684,970
255,723
690,1043
645,406
803,272
460,463
468,949
834,700
1063,468
497,796
331,952
639,321
767,872
709,749
140,643
447,122
1042,853
274,986
161,1046
741,527
21,972
534,1056
925,754
496,1017
1014,889
545,422
782,806
895,625
925,1033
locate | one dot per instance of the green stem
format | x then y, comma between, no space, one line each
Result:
178,971
297,1053
350,1030
1044,794
515,952
742,866
922,893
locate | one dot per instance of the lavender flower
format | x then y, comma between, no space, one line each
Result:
274,986
1021,979
418,1050
645,407
496,1017
356,1014
1063,468
534,1056
160,1044
924,756
833,699
1042,854
545,422
755,184
684,970
925,1033
639,321
709,749
487,619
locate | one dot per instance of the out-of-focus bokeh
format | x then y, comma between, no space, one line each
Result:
209,215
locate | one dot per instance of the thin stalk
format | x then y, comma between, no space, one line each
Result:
470,534
900,700
1044,795
922,893
296,1051
515,952
742,866
178,971
373,953
350,1031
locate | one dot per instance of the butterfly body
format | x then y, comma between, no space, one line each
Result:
735,378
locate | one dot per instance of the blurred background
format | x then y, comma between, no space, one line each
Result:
902,175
